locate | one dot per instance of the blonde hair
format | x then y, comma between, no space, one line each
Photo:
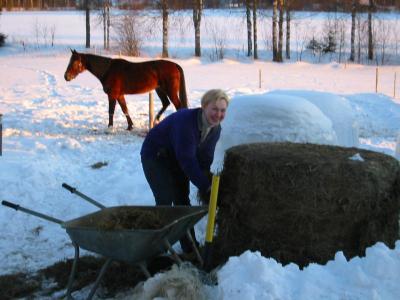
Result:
213,96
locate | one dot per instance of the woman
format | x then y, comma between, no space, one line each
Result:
181,149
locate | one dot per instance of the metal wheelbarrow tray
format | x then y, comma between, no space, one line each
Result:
103,233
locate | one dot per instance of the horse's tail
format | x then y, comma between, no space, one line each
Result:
182,89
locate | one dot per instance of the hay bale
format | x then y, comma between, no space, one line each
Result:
302,203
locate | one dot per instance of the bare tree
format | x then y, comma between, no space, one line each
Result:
302,37
359,38
288,13
128,35
342,37
274,37
383,38
255,28
371,8
163,6
249,28
353,28
52,34
280,25
87,11
218,36
197,11
106,23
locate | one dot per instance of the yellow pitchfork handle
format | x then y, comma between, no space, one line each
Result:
212,207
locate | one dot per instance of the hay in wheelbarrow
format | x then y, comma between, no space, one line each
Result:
132,219
302,203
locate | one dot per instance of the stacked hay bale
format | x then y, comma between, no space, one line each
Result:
302,203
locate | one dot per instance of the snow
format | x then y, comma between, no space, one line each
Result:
54,131
357,157
252,276
287,116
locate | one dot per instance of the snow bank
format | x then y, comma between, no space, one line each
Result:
252,276
377,115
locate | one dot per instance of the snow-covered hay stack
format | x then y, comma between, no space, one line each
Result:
284,116
302,203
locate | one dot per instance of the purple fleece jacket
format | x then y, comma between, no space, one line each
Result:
179,136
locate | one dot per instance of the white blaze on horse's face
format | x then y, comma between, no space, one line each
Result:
215,111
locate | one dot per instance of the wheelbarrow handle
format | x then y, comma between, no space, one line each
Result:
83,196
69,188
10,204
31,212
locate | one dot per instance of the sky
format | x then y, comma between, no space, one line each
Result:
54,131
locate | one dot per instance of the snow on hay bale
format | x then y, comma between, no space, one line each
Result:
337,108
285,116
302,203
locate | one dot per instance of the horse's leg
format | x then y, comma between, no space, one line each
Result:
164,100
173,92
111,109
122,103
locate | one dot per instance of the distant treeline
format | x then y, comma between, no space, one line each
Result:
314,5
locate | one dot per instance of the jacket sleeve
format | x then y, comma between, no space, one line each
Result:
184,143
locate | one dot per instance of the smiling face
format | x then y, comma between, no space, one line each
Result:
214,111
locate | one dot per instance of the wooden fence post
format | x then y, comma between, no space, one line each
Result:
376,80
151,110
394,85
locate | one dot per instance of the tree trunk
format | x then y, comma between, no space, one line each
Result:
370,35
197,11
164,6
104,12
287,5
358,40
108,25
255,28
280,25
274,37
87,10
353,29
249,29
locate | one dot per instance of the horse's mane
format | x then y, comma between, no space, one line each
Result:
97,65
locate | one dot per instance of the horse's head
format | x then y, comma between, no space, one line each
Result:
76,66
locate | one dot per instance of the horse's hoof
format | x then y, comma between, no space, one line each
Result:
110,129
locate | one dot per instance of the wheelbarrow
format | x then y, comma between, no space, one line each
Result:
111,232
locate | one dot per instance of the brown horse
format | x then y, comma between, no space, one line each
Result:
120,77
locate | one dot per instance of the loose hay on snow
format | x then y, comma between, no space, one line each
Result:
180,282
302,203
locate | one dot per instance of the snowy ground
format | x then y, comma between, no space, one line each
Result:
53,131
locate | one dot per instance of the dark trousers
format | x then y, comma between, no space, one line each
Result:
170,186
